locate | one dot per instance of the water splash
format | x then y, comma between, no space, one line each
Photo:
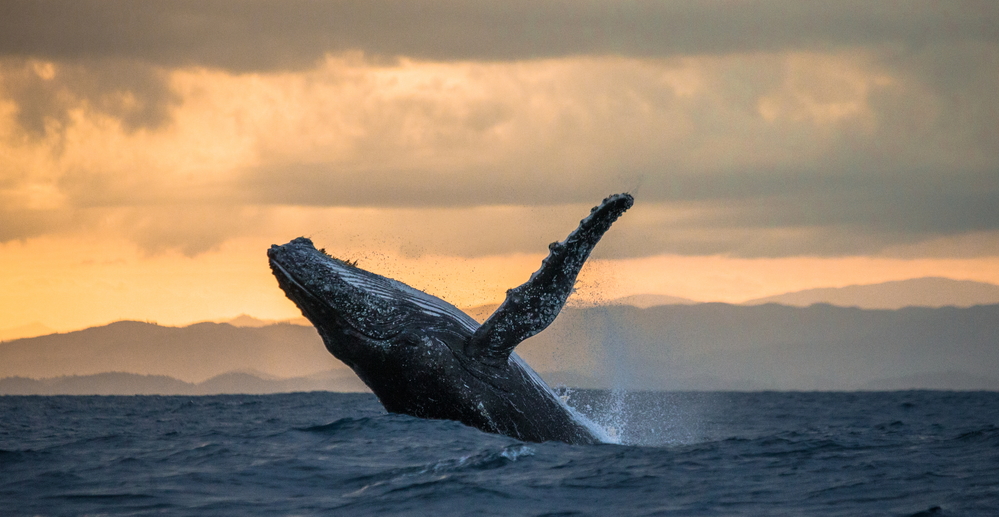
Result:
643,418
601,431
625,415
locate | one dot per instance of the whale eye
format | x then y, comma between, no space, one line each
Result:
410,339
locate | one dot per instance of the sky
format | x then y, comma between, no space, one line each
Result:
150,152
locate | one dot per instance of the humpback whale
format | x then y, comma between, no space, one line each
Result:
424,357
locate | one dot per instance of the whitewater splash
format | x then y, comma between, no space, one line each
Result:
644,418
625,416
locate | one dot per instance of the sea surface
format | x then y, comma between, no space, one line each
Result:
917,453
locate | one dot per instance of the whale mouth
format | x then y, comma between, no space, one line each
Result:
313,307
310,304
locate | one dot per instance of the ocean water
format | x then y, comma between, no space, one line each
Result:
919,453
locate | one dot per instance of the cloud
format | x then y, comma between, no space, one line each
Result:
832,153
266,35
827,129
132,92
23,224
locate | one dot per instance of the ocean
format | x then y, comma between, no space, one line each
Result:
915,453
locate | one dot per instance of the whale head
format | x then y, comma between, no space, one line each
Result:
376,325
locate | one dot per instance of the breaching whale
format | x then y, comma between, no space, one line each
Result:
424,357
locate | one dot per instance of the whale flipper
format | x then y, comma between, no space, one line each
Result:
532,306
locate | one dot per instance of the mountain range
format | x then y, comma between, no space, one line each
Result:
118,383
644,301
21,331
191,354
719,346
917,292
670,347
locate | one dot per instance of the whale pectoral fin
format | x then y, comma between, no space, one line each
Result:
532,306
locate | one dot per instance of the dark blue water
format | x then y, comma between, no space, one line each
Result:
900,453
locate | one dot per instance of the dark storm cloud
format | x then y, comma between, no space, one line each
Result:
132,92
916,161
267,35
24,224
745,213
923,167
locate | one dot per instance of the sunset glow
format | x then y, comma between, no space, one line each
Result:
148,184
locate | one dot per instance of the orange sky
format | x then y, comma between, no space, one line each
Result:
68,284
145,181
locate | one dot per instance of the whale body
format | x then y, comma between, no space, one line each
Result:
424,357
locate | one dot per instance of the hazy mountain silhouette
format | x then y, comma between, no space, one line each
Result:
721,346
918,292
192,354
117,383
644,301
935,381
705,346
30,330
245,320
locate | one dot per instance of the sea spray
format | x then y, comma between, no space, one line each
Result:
624,414
645,418
615,420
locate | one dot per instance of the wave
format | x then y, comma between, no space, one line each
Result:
925,454
988,435
486,460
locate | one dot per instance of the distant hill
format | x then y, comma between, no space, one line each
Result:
718,346
481,312
919,292
644,301
710,346
23,331
117,383
244,320
192,354
936,381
